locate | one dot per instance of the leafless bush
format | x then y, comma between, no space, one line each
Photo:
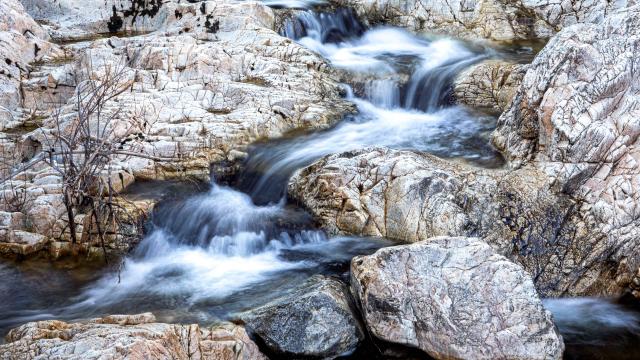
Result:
82,140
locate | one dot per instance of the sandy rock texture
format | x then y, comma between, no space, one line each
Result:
498,20
454,298
127,336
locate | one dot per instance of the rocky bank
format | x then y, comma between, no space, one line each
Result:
194,83
127,337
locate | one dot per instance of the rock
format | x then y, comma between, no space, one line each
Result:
316,320
68,19
410,197
21,242
127,337
490,85
499,20
575,117
22,41
454,298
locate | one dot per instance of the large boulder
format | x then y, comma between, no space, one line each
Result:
316,320
127,337
499,20
454,298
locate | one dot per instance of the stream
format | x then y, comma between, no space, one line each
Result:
214,251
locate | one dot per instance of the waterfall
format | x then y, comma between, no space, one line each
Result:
417,114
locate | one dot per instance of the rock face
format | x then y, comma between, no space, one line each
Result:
210,78
127,337
22,41
566,208
316,320
576,118
454,298
412,197
500,20
490,85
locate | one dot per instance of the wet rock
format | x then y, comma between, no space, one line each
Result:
454,298
490,85
127,337
500,20
316,320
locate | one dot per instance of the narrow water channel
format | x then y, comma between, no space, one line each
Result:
227,249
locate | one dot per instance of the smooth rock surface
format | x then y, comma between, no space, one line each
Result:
454,298
127,337
316,320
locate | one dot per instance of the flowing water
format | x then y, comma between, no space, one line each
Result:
214,252
594,328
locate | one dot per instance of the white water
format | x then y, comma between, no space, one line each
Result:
412,115
209,247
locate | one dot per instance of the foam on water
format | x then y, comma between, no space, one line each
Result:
207,247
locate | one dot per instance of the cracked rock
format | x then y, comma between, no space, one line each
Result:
454,298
